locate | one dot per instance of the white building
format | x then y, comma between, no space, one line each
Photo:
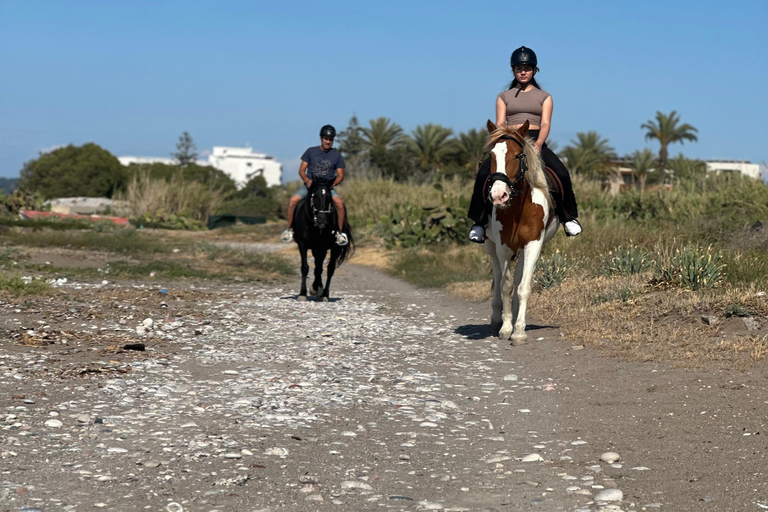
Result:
240,164
745,168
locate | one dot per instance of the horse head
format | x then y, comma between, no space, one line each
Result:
320,204
508,163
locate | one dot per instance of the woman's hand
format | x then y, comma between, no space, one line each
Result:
538,146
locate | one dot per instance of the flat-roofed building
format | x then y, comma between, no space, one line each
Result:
240,164
743,167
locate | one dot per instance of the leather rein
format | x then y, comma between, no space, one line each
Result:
502,176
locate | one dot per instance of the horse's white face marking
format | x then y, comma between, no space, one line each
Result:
500,191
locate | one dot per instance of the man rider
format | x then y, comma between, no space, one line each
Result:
321,162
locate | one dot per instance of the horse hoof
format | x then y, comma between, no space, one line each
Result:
519,340
504,335
325,299
301,298
319,292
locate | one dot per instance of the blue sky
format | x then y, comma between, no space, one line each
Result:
132,76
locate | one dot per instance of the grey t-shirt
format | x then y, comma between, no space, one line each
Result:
322,165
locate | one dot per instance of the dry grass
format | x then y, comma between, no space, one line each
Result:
628,318
153,197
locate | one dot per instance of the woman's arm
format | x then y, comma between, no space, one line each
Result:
501,112
546,120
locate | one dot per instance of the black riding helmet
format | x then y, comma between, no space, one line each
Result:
524,57
328,131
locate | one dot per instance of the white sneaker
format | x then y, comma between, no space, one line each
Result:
341,239
287,236
572,227
477,234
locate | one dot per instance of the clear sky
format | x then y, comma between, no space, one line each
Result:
131,76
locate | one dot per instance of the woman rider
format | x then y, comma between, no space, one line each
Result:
525,101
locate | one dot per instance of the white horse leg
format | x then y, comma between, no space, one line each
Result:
530,256
505,260
516,289
490,249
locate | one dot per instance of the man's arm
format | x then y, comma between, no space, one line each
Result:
303,174
339,176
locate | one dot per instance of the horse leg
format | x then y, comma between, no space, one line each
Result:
490,249
519,266
304,271
505,261
317,284
335,251
530,256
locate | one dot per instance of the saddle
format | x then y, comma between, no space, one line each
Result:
555,190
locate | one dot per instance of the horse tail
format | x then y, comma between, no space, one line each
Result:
348,250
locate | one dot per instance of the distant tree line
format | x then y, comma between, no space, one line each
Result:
431,150
92,171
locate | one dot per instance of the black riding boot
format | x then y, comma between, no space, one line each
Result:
478,207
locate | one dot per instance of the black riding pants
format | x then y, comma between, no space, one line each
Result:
479,210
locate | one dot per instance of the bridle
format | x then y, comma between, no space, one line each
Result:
502,176
316,211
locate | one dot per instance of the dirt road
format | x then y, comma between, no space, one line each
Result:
386,398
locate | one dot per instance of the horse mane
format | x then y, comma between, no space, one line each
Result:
535,175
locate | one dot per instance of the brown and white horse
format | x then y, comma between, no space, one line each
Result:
522,221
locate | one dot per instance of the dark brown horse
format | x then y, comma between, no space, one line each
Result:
314,228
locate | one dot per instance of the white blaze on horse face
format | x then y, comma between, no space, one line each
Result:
500,191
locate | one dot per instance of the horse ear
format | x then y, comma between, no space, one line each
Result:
491,127
523,130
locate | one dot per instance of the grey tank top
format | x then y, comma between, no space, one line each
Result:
525,107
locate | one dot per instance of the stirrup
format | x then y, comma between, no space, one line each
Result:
572,227
477,234
287,236
341,239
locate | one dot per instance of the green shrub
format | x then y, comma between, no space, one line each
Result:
691,267
410,225
551,270
628,260
162,220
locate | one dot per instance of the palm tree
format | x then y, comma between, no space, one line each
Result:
667,131
642,164
431,143
382,135
470,147
686,169
590,154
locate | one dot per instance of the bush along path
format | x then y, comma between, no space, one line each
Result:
386,397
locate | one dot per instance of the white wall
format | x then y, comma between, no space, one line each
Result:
240,164
745,168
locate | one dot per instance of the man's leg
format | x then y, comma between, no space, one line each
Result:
287,235
341,237
291,207
339,211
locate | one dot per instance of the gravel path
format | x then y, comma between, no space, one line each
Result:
386,398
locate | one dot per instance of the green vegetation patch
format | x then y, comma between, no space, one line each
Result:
126,241
437,267
18,285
